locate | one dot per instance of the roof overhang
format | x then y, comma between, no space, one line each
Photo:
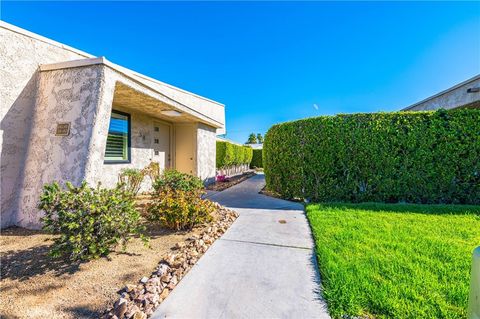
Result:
152,96
458,86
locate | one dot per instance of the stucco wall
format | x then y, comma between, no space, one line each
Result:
450,99
206,152
33,100
20,56
141,149
67,95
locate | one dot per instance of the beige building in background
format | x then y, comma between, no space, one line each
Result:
69,116
462,95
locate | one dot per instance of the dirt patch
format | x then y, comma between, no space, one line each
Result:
34,285
139,300
266,192
220,186
269,193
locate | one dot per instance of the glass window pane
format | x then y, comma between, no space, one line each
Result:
117,139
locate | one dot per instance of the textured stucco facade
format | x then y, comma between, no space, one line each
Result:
465,94
206,152
20,56
73,96
44,83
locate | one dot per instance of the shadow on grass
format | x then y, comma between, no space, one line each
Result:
316,278
432,209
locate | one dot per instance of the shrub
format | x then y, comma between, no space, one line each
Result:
90,221
225,154
179,209
232,157
257,159
174,180
152,171
248,154
130,179
418,157
178,204
222,178
239,155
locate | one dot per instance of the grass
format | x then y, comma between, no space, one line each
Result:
395,260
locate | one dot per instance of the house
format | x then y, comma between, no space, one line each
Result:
462,95
223,139
69,116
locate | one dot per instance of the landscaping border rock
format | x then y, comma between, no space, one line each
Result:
139,301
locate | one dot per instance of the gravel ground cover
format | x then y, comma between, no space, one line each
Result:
34,285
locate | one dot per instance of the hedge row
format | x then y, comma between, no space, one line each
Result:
229,154
257,160
418,157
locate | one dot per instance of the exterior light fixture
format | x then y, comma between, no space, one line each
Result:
171,113
473,90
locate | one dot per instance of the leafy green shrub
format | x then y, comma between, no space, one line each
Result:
130,179
174,180
257,159
229,154
248,154
418,157
90,221
239,155
179,209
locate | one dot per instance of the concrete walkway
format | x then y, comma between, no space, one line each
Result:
260,268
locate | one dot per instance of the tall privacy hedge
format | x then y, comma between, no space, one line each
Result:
229,154
257,160
418,157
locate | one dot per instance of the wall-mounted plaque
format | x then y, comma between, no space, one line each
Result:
63,129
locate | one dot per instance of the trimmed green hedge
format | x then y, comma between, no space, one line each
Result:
257,160
418,157
229,154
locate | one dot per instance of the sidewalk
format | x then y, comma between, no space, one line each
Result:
260,268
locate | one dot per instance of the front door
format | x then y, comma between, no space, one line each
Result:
161,144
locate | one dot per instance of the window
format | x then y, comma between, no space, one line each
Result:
118,139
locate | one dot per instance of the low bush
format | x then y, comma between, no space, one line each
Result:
130,179
152,171
416,157
90,221
179,209
177,202
257,161
175,180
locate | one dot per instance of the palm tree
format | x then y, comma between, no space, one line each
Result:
260,138
252,139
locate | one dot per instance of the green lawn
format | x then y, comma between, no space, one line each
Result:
395,260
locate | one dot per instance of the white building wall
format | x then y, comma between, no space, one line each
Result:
20,56
454,97
141,149
64,96
34,101
206,152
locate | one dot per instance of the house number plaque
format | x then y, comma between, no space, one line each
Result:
63,129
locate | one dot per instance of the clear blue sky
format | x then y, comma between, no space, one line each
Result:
271,62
